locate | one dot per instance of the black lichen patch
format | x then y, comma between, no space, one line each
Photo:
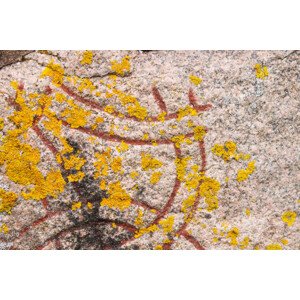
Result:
88,189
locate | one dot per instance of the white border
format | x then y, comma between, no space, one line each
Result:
150,25
149,275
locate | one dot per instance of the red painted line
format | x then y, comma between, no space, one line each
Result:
98,106
192,240
159,99
56,237
194,102
44,139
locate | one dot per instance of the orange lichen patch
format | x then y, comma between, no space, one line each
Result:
89,205
273,247
116,165
243,174
118,197
75,115
123,147
7,201
159,247
195,80
199,133
76,177
284,242
87,58
167,224
148,162
21,162
137,111
261,72
120,68
289,217
247,212
102,163
61,98
155,177
161,116
102,185
187,204
4,228
139,219
76,206
55,72
187,111
73,162
209,189
232,235
86,85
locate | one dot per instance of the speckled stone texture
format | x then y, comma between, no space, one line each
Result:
234,102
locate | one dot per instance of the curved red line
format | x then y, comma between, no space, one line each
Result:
159,99
91,103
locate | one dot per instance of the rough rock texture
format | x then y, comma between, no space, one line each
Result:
150,150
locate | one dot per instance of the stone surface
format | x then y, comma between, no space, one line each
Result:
140,118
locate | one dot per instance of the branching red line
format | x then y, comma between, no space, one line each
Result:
93,104
182,229
192,240
193,102
159,99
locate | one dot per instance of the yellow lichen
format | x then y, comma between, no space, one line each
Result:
123,147
187,111
87,58
7,201
145,230
76,205
243,174
134,174
167,224
139,219
181,165
4,228
1,123
261,72
137,111
247,212
76,177
195,80
122,67
148,162
55,72
155,177
289,217
232,235
75,115
178,140
209,189
199,132
118,197
273,247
